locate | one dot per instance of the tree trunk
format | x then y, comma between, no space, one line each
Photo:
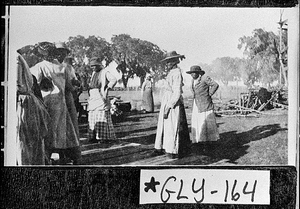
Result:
142,79
284,72
125,81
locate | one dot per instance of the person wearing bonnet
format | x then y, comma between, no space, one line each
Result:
63,135
203,125
100,123
172,136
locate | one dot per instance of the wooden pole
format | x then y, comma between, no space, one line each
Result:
280,55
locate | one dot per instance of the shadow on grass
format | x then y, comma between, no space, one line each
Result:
145,140
131,117
232,145
136,131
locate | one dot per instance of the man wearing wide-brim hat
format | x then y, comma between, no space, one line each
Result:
172,135
172,55
204,126
61,51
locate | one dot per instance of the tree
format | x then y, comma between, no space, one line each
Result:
249,72
262,54
135,56
225,69
85,48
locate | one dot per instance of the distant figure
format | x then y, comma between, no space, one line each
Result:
100,123
147,95
33,118
172,136
204,126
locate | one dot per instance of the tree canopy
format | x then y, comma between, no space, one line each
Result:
261,62
226,69
262,56
135,56
265,54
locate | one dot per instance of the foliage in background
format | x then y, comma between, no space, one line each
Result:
82,49
135,56
226,69
261,62
262,56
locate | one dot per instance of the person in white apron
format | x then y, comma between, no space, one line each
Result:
100,123
204,128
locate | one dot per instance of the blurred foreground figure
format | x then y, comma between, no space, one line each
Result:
32,118
54,80
172,129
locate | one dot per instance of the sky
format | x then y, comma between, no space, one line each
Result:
201,34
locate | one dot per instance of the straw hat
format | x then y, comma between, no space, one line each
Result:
61,45
171,55
95,61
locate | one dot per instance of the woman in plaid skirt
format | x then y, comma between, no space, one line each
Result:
100,123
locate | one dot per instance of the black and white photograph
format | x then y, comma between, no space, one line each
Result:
151,86
153,105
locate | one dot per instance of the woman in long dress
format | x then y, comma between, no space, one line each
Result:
172,135
100,123
32,119
63,136
147,95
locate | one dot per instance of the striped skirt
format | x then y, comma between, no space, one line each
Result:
100,125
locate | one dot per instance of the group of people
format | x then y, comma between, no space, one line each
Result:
47,126
172,137
47,116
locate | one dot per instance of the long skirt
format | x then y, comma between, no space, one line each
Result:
100,125
148,103
32,129
204,126
173,133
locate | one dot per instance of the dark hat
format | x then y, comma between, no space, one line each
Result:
45,48
95,61
196,69
61,45
171,55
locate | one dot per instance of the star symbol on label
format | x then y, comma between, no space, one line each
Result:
151,185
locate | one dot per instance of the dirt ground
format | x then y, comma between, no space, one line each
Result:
260,139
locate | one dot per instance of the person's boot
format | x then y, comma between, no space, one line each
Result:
92,136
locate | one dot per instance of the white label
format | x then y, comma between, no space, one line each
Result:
214,186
